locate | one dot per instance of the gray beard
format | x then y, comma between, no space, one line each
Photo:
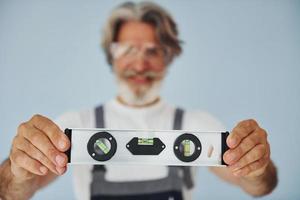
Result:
142,96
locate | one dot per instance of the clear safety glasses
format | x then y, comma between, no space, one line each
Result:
152,53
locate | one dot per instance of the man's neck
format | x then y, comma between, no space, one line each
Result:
121,100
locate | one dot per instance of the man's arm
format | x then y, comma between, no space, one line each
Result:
259,186
12,188
248,159
35,159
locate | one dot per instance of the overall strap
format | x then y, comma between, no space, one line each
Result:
99,122
178,118
177,125
99,113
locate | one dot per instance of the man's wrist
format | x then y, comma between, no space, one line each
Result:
11,187
262,184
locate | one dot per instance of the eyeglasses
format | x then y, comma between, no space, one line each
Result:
152,53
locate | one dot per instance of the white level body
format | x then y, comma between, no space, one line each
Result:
213,146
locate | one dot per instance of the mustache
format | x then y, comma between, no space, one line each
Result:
146,74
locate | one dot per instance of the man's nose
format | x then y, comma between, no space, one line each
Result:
140,64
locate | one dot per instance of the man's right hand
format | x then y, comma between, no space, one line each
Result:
37,149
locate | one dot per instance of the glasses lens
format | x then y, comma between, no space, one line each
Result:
153,53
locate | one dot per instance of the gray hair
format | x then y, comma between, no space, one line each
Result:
148,12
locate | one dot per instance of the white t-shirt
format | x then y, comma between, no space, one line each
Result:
117,116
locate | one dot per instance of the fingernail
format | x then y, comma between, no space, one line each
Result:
232,141
43,169
230,157
60,160
61,144
60,170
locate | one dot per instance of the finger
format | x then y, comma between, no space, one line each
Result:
18,171
24,145
42,142
243,129
57,137
256,153
252,168
21,159
233,155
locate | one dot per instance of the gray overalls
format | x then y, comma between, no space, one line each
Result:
168,188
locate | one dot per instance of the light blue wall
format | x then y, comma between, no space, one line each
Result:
241,60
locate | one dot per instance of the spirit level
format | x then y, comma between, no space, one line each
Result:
149,147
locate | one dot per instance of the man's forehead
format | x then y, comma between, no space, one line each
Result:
137,32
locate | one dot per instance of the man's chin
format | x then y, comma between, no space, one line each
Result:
139,94
140,90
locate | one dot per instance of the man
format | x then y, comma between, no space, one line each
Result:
140,41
